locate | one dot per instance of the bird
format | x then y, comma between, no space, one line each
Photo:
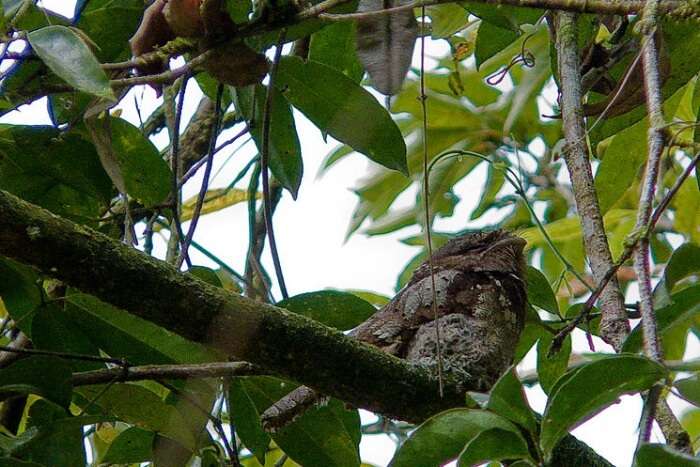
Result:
480,298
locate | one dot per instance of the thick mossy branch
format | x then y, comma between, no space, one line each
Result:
287,344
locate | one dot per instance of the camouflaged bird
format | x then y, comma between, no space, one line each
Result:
480,291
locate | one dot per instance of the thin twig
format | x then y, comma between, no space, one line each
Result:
205,179
175,167
265,161
655,146
426,204
626,254
152,372
64,355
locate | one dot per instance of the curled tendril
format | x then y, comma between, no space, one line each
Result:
525,57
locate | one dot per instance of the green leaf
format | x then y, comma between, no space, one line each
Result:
588,389
689,388
681,313
686,206
145,174
59,436
52,330
507,398
550,369
622,162
345,110
134,445
49,377
65,53
493,445
490,40
539,292
324,436
443,436
109,25
58,171
20,291
206,275
684,262
334,46
244,414
503,16
123,335
239,10
285,151
661,455
341,310
138,406
446,19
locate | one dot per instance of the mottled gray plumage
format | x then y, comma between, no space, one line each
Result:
480,291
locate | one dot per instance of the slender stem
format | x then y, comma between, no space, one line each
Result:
205,179
152,372
175,167
426,203
655,146
265,161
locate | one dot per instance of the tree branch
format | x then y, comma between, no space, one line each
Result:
140,373
614,326
287,344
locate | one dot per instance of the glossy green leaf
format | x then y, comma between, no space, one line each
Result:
49,377
324,436
661,455
684,262
493,445
132,446
59,436
246,417
285,151
689,388
504,16
123,335
507,398
145,173
681,313
65,53
446,19
334,46
52,330
551,368
687,211
443,436
58,171
20,291
337,105
341,310
539,292
137,405
490,40
109,25
590,388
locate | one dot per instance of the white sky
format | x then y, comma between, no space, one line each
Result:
310,234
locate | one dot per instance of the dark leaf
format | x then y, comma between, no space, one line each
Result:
341,310
337,105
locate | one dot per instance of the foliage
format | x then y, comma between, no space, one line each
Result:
489,102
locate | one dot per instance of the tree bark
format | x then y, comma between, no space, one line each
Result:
285,343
